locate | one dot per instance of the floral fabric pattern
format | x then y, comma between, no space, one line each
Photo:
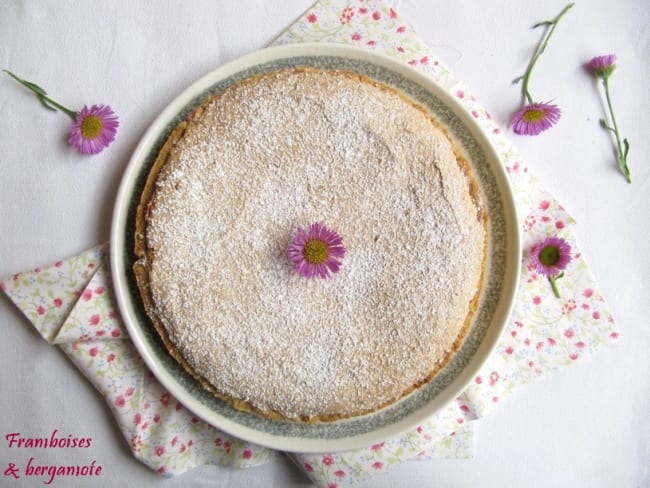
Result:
71,305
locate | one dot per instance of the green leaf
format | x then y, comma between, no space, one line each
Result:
45,103
27,84
605,125
543,24
42,95
518,79
34,87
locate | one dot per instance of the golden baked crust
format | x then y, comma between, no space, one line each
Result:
168,173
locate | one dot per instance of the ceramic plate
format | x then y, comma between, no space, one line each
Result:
496,300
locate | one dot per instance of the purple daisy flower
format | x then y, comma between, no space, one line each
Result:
602,66
316,252
535,118
550,258
93,129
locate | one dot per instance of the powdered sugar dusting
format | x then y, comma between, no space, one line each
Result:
292,148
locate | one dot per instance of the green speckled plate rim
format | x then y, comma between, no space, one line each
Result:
495,304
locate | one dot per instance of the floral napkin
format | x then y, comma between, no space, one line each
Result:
71,305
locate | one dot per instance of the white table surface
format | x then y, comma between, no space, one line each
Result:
585,426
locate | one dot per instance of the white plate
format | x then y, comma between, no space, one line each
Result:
497,297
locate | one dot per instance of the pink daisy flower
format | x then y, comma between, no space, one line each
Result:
602,66
93,129
535,118
550,258
316,252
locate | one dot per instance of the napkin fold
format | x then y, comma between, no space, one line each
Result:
71,305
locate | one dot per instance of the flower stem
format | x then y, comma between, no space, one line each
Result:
538,52
621,154
42,96
553,281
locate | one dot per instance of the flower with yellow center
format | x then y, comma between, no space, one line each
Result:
535,118
92,129
316,252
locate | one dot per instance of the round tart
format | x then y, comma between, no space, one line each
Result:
223,201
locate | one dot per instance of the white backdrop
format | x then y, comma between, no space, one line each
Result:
588,425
